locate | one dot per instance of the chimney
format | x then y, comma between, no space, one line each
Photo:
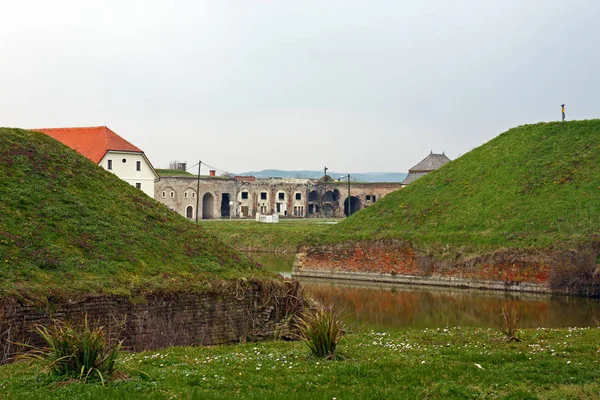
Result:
212,172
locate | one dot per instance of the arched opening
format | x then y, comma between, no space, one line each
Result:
329,196
313,196
336,195
351,205
189,212
207,206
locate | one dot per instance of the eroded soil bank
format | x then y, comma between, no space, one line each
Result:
230,312
566,272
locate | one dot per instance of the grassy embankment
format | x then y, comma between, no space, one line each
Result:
442,364
534,186
249,235
69,228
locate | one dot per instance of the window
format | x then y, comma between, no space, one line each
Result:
281,195
374,199
193,195
109,166
138,185
185,195
244,195
368,198
164,194
263,195
172,194
298,196
124,160
138,165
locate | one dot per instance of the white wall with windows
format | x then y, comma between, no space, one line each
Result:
133,168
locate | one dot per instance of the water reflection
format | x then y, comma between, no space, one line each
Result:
388,307
278,263
398,306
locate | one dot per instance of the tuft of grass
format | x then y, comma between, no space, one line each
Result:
321,330
507,322
75,351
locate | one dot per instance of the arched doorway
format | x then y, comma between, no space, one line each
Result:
208,204
354,203
189,212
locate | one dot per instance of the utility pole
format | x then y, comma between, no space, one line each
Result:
562,106
349,209
325,194
198,190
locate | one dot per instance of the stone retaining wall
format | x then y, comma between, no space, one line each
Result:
234,312
395,261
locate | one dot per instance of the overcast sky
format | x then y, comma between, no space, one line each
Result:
245,85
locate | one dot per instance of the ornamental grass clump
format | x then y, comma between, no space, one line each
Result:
77,352
321,330
508,324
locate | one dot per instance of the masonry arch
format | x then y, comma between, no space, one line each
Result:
208,205
189,212
313,196
351,205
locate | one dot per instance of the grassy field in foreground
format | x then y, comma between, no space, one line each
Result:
461,363
534,186
249,235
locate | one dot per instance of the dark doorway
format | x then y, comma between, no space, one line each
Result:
354,205
225,205
208,204
189,212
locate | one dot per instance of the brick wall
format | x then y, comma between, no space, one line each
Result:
233,312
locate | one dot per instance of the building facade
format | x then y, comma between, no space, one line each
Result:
244,197
110,151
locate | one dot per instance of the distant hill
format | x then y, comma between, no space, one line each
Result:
68,227
364,176
535,186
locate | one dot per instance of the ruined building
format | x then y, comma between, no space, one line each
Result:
245,196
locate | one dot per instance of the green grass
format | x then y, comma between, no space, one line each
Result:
69,228
535,186
172,172
456,363
249,235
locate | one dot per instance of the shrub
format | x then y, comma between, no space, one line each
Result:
75,351
507,323
321,330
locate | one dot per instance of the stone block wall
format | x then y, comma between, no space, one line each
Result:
234,312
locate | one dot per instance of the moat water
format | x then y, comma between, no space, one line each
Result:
389,307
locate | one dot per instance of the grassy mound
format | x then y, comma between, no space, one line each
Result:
535,186
68,227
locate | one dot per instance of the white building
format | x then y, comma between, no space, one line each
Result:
110,151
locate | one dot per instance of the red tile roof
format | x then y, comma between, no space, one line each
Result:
92,142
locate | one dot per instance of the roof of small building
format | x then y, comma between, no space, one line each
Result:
92,142
428,164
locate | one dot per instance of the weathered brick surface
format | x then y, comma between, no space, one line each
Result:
246,311
400,258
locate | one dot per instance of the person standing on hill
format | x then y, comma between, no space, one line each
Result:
563,112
